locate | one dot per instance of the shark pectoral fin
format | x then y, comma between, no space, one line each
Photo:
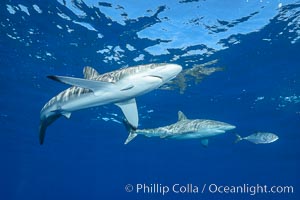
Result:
130,111
204,142
84,83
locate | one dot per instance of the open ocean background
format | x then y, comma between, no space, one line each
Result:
257,43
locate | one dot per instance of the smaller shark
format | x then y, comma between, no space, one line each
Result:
184,128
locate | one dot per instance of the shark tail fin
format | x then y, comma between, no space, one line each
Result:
238,138
131,130
43,126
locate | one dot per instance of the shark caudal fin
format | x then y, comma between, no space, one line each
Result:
131,130
43,126
42,130
238,138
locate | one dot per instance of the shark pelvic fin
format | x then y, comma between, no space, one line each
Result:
131,130
181,116
66,114
204,142
93,85
90,73
130,111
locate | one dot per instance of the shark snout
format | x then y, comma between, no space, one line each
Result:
174,69
224,126
229,127
168,71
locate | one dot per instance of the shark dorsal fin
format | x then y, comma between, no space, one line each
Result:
90,73
181,116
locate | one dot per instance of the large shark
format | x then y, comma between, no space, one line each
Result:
184,128
119,87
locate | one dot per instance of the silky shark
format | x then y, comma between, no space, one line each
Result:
184,128
119,87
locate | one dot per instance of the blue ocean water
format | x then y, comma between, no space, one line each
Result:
256,43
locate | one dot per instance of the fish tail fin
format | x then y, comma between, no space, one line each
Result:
238,138
131,130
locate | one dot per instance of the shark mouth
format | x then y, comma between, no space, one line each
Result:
155,76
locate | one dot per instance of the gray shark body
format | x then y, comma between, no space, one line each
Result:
184,128
119,87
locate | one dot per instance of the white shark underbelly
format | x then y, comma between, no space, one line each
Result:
197,135
87,101
73,99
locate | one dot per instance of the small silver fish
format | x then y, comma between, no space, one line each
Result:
259,138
